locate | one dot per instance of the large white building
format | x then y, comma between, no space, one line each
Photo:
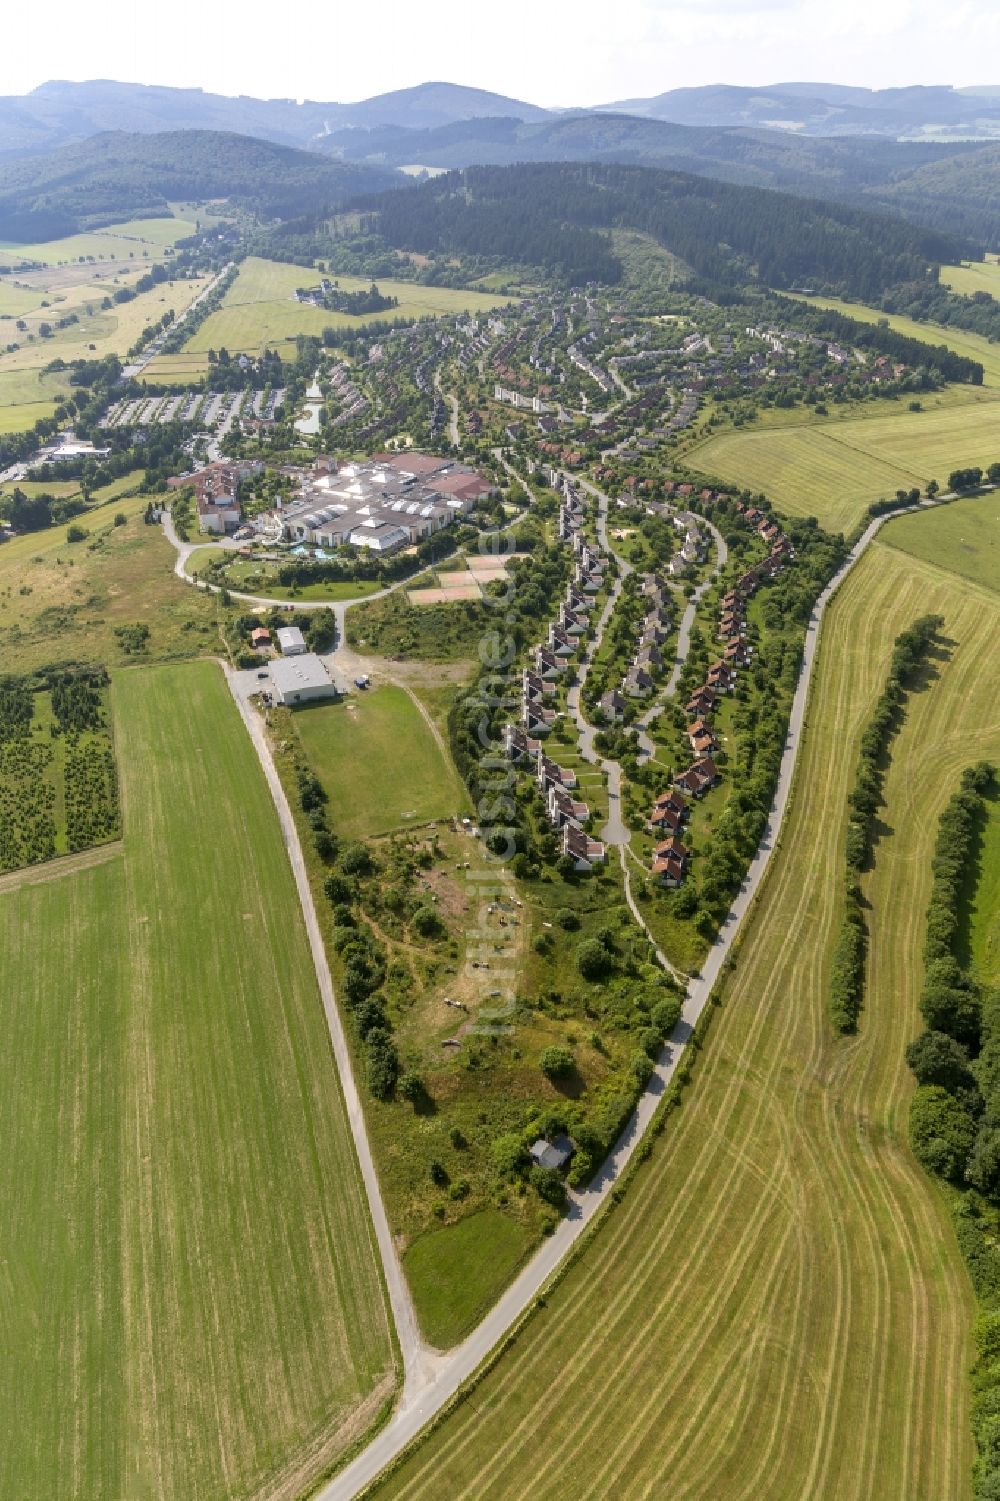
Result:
382,505
300,680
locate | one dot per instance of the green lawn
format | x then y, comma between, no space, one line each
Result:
833,469
456,1273
379,762
963,537
260,309
192,1305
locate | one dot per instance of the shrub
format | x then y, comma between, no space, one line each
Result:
427,923
666,1014
556,1063
509,1154
548,1184
381,1063
76,533
439,1173
593,960
567,919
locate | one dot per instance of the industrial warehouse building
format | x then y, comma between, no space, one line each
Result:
300,680
383,505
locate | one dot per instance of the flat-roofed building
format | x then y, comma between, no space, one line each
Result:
300,680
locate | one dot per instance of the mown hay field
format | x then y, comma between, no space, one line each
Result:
833,470
260,310
380,763
778,1306
963,537
191,1295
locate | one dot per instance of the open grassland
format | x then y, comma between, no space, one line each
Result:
975,276
143,238
260,310
834,469
99,331
778,1307
964,538
407,777
191,1296
64,601
973,346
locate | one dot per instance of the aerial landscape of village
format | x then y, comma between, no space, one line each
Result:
500,759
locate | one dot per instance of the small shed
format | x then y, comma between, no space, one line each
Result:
260,637
555,1153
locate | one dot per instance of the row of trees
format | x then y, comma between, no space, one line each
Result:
955,1110
909,652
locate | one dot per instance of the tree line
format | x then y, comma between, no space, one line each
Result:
909,652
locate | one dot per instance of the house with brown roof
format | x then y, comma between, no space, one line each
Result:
699,777
582,850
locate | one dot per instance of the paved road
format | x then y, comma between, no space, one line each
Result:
153,348
427,1393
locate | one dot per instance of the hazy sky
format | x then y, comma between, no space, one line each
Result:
558,52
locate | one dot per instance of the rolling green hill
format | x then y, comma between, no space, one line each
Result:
118,176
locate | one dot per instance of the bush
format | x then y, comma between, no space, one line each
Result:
509,1154
556,1063
593,960
548,1184
666,1014
356,860
567,919
427,923
76,533
381,1063
439,1173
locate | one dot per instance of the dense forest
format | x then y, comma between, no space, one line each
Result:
120,176
548,215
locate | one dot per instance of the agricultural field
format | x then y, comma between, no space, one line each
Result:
260,310
834,469
983,936
974,276
193,1305
408,778
963,538
778,1305
64,600
146,238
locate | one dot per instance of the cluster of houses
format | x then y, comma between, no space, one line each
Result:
217,492
647,662
352,401
567,813
669,812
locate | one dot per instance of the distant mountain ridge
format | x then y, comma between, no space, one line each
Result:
60,112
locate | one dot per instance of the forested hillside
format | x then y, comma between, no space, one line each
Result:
945,185
118,176
548,214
